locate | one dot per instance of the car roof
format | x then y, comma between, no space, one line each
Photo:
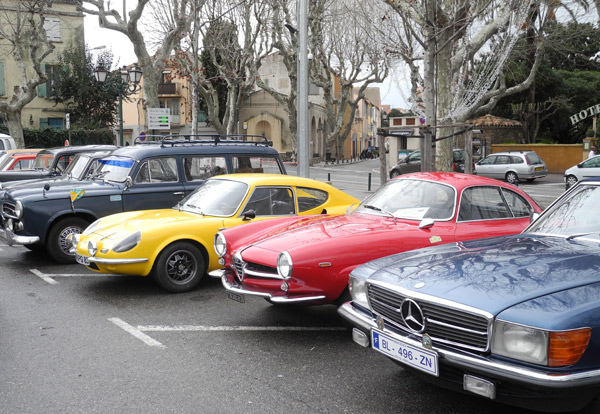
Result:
457,180
184,148
78,148
273,179
23,151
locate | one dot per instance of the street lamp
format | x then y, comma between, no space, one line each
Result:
129,81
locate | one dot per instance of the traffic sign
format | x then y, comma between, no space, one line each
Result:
159,118
142,136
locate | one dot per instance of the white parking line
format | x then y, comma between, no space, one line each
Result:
48,277
138,331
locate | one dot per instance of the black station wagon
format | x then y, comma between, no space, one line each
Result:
139,177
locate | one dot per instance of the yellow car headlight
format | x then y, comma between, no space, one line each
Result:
128,242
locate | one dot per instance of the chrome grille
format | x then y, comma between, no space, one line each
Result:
445,324
243,268
8,210
238,264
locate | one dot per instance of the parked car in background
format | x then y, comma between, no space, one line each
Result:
412,163
585,169
515,319
138,177
51,162
307,260
7,142
18,159
512,166
175,245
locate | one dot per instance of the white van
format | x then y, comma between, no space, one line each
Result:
7,142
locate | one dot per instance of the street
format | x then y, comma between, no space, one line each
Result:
73,341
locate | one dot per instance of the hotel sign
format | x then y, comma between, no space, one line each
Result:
581,115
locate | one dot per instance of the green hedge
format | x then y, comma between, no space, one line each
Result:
47,138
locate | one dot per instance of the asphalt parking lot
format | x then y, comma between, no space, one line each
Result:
72,341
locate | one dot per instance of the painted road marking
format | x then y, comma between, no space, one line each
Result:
48,277
138,331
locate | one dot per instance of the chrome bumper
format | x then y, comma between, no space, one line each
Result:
483,366
115,261
231,285
12,238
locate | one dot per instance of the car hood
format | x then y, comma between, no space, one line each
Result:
117,226
334,232
491,274
62,188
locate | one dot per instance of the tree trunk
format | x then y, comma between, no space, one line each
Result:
13,119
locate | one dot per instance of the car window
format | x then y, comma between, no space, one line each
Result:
482,203
43,161
63,162
271,201
592,163
157,170
516,160
309,198
517,204
22,165
488,160
415,156
533,158
503,159
202,168
255,164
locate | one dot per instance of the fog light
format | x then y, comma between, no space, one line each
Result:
479,386
360,337
285,287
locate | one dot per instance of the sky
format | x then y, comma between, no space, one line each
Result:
122,50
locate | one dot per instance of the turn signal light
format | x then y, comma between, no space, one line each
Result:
566,348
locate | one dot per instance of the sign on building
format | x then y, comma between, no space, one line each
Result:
159,118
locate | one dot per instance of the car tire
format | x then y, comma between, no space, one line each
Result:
571,181
530,180
57,245
394,173
179,267
512,177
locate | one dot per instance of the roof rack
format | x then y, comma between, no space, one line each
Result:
214,139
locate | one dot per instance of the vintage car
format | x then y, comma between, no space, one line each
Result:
51,162
18,159
515,319
308,260
138,177
176,245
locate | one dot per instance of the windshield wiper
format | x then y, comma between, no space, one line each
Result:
100,174
378,209
575,236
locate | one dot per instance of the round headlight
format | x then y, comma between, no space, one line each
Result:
284,265
92,248
220,244
19,209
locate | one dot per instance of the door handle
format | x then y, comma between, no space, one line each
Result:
179,193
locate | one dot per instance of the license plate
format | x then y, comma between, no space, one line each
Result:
84,260
419,358
236,296
538,168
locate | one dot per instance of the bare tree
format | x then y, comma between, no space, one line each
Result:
175,21
24,38
464,46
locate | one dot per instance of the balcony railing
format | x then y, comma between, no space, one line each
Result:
167,88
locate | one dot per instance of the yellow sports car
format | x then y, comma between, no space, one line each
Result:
176,245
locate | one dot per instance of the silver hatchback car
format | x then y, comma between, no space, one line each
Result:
512,166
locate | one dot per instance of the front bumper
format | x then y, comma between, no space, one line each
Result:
515,384
232,285
14,239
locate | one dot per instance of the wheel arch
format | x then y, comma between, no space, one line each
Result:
90,218
196,243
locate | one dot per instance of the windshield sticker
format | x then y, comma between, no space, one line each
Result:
435,239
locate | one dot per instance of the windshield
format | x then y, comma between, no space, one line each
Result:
5,163
43,161
412,200
215,198
76,168
572,216
113,168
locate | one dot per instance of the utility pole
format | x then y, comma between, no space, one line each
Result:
302,86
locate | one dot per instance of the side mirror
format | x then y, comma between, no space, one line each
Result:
248,215
426,223
128,181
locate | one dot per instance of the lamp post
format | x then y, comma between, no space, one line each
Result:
129,81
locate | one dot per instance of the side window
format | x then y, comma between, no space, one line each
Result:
517,204
482,203
415,156
517,160
488,161
255,164
202,168
271,201
158,170
309,198
503,159
62,163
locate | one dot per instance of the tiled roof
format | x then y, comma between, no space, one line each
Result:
496,122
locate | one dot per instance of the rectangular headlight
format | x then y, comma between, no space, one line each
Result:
520,342
358,290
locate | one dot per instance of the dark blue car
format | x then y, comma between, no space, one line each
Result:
139,177
515,319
